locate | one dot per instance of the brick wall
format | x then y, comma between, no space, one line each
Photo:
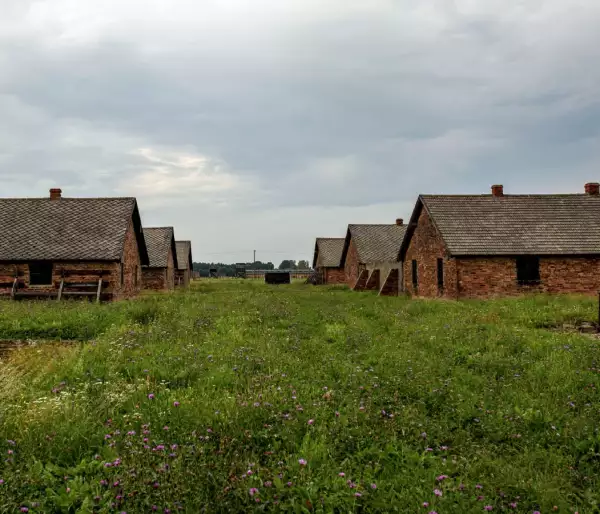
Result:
154,279
9,270
182,278
132,269
486,277
334,275
426,246
352,267
497,276
391,283
170,271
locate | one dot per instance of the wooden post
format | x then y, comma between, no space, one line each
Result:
98,291
14,288
60,289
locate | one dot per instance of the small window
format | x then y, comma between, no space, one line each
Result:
528,270
440,275
415,275
40,273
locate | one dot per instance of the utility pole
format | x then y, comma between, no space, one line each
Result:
254,257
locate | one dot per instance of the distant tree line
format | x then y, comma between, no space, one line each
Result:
228,270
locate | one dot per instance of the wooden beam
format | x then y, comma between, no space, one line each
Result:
60,289
98,291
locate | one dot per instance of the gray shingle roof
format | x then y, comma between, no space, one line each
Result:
517,224
184,254
87,229
329,249
376,243
160,241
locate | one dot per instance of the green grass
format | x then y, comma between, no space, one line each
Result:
389,391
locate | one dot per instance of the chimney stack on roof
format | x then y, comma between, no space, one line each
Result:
399,221
498,190
592,188
55,194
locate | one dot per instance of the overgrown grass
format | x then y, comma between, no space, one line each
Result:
236,397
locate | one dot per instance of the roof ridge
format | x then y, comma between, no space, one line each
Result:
522,195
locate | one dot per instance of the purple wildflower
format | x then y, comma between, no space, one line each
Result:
151,396
373,486
337,414
131,432
441,478
290,484
311,421
438,493
424,435
253,491
165,427
488,508
302,462
478,486
1,481
24,509
358,495
176,404
268,483
11,442
342,474
425,504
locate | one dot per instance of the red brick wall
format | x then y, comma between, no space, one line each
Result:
113,277
352,267
154,279
426,246
497,276
132,269
485,277
391,286
570,274
335,275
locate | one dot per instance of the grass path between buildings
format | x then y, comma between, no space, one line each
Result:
239,397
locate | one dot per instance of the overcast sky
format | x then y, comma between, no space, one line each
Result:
263,124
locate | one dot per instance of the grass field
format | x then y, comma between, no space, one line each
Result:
237,397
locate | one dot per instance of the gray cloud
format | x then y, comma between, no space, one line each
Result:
295,117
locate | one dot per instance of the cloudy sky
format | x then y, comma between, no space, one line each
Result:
263,124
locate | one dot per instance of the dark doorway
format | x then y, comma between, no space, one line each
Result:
528,270
440,275
40,273
415,275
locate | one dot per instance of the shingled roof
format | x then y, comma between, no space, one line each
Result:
330,250
184,254
375,243
160,241
73,229
513,224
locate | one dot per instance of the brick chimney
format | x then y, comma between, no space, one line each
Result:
498,190
399,221
55,194
592,188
